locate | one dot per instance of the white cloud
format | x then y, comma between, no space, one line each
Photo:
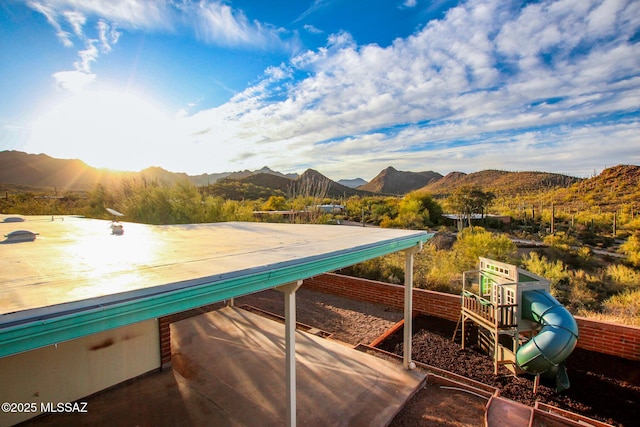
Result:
52,18
87,56
141,14
74,81
491,84
481,74
312,29
76,20
56,13
108,35
214,22
218,23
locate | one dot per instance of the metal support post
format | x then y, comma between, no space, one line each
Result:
408,306
289,291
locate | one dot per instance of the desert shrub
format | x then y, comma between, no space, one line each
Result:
275,203
560,241
474,242
632,225
185,201
585,254
434,269
584,291
407,220
233,210
99,198
631,248
623,276
625,305
438,270
554,271
325,218
388,268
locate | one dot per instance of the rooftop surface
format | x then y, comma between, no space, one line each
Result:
76,274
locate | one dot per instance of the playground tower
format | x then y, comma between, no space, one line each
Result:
517,320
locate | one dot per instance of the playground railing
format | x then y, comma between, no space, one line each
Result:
507,317
501,316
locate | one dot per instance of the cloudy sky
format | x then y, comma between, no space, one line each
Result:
347,87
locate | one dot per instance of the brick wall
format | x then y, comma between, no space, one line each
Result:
602,337
446,306
609,338
164,326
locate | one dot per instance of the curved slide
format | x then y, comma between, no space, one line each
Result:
546,351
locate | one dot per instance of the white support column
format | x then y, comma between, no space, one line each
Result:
408,306
289,291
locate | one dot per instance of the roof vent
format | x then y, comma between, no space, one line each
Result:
21,236
116,227
13,219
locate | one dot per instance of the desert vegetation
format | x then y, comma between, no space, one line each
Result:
584,236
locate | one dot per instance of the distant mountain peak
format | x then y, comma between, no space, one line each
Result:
352,183
393,181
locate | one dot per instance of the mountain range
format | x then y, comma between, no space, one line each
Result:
43,171
614,185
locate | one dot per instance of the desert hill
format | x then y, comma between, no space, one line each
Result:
392,181
352,183
312,178
262,185
613,187
40,170
501,183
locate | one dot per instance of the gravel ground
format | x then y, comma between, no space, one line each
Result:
350,321
603,387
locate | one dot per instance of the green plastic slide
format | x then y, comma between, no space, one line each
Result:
546,352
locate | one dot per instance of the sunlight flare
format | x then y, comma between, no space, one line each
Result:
109,129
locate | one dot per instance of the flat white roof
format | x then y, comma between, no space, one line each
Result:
75,267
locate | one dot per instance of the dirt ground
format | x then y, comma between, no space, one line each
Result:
603,387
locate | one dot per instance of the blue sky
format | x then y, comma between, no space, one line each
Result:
347,87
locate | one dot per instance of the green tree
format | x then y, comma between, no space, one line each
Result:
468,200
477,242
275,203
186,203
415,210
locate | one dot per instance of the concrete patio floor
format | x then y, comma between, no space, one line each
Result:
229,370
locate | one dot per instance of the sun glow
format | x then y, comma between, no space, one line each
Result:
108,129
115,262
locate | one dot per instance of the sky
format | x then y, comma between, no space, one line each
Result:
346,87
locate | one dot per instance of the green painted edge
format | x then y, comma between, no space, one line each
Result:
41,333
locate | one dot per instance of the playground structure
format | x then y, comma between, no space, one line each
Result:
517,320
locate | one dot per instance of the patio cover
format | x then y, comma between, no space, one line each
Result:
77,279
